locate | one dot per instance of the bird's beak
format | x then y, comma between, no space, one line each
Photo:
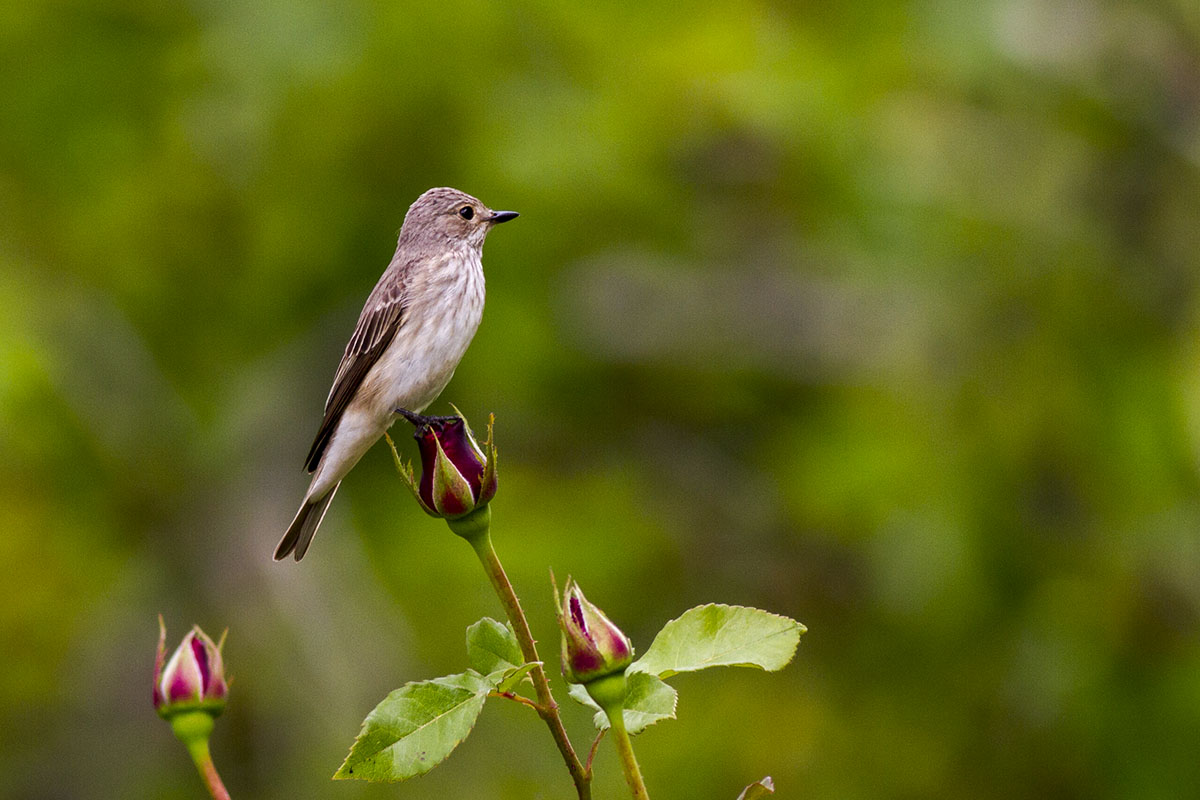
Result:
502,216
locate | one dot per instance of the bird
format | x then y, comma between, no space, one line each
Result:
412,332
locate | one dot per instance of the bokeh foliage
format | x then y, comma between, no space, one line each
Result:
880,315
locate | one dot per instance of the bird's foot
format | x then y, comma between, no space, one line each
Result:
420,420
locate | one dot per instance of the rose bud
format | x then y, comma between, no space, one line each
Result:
194,677
592,646
456,477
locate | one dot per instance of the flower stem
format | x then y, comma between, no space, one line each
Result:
592,752
476,529
633,773
193,728
516,698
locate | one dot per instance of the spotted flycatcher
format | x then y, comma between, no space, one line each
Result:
410,336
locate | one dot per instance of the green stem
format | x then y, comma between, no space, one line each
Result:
609,692
633,773
475,528
193,728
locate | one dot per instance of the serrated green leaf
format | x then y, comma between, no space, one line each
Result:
492,646
721,636
647,700
415,728
515,675
758,790
505,679
580,695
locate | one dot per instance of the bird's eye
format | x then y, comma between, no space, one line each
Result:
466,212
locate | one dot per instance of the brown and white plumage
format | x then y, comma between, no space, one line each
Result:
412,332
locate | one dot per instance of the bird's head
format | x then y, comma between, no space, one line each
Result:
445,216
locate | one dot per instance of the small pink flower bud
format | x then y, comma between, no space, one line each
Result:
592,646
193,678
456,476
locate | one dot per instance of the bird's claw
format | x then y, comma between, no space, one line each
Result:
420,420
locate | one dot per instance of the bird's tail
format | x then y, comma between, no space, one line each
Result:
300,533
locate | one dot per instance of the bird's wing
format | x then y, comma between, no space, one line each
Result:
377,325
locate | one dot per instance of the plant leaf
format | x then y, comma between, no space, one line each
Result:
758,789
647,701
505,680
719,635
492,646
415,728
580,695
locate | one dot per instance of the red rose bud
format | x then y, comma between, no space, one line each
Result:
194,677
592,646
456,476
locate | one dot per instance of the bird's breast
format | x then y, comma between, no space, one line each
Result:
440,319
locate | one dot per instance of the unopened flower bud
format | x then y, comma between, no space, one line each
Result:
456,476
592,646
194,677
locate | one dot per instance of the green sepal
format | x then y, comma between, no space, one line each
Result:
449,482
488,483
407,477
210,708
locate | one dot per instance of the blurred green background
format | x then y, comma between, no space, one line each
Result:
880,315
